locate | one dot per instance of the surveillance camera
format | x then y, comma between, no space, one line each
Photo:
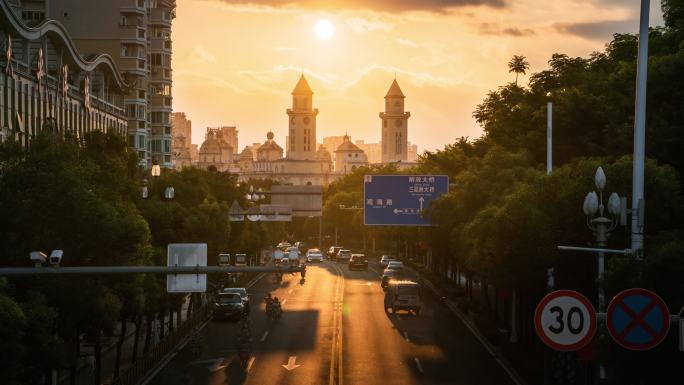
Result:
38,257
56,257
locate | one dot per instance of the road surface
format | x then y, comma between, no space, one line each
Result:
335,331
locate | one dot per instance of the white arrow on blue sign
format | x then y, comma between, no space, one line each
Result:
399,200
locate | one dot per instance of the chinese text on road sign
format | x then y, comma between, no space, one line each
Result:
401,199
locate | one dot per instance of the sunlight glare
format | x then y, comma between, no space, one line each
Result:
324,29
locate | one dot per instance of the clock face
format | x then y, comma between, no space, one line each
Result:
306,120
397,123
292,120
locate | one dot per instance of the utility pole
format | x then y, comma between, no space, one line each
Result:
549,137
640,134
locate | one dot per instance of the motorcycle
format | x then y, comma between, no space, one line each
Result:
274,312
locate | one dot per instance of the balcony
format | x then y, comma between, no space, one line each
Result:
136,9
161,44
161,75
161,101
160,16
133,34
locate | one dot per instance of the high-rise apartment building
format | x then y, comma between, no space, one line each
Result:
137,35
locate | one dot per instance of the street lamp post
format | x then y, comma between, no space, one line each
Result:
601,225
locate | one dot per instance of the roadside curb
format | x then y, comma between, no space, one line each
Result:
491,349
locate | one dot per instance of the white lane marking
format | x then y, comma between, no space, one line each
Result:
289,291
250,363
263,338
406,337
285,300
420,367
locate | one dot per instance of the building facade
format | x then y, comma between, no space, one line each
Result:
216,150
229,134
137,35
185,153
47,84
349,157
303,163
394,126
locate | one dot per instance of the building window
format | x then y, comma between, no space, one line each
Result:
141,64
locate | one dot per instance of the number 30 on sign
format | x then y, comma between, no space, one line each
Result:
565,320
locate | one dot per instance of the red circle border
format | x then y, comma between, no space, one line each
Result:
659,302
592,320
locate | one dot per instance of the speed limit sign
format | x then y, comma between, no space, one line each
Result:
565,320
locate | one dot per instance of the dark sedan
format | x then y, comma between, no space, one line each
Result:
358,261
229,306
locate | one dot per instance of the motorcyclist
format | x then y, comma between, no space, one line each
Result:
275,308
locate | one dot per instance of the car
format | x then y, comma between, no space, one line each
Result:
314,255
243,294
395,265
343,255
229,305
385,259
389,275
403,295
332,252
358,261
293,251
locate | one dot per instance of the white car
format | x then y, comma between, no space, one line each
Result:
395,265
385,259
314,255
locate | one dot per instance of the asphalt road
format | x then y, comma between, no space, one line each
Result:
334,330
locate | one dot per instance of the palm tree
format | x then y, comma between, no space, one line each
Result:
519,65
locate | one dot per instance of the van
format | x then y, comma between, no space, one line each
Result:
403,295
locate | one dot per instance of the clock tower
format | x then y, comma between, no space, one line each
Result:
394,126
301,143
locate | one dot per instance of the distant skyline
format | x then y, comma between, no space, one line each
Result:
235,62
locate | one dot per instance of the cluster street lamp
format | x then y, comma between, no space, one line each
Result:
602,225
155,171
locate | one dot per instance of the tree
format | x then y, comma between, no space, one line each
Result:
519,65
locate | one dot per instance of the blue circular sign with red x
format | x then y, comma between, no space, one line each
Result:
638,319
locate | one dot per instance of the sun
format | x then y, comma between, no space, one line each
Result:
324,29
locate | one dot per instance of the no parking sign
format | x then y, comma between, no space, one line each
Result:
638,319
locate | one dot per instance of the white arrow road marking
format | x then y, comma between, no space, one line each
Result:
215,364
291,363
420,367
263,338
407,337
283,303
250,363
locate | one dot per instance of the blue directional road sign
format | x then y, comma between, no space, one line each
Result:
637,319
399,200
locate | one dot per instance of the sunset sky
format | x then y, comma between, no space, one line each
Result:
236,62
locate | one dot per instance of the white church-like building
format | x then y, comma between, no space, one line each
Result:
303,162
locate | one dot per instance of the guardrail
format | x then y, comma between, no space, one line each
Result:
150,361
